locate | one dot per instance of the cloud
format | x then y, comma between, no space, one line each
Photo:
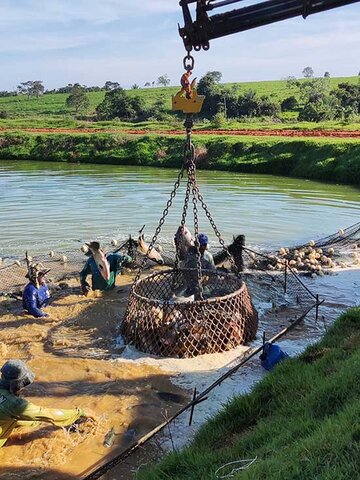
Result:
130,41
24,12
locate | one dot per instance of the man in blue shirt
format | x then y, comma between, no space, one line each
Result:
36,293
116,263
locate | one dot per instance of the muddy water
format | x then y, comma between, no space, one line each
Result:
71,354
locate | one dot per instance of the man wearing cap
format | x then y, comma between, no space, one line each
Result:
190,262
36,293
103,269
18,412
207,261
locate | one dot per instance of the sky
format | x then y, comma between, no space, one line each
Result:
136,41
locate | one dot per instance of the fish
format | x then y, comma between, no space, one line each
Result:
144,249
100,259
183,241
109,438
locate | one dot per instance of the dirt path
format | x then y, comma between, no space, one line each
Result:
244,132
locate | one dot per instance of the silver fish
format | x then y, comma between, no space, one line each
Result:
183,241
100,259
144,248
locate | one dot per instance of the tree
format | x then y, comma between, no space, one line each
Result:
289,103
32,88
119,104
77,100
111,85
208,83
135,86
308,72
326,75
147,84
164,80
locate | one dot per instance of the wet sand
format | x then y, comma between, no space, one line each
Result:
73,355
79,361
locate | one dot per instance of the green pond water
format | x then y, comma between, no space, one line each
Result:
56,206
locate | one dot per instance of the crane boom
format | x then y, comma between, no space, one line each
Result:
197,33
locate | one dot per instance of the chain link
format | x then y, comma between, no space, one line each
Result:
161,222
189,62
216,230
192,174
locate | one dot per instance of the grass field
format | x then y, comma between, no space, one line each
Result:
54,104
300,423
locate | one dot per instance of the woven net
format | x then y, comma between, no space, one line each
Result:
161,323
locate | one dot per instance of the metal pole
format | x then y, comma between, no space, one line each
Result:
286,275
317,308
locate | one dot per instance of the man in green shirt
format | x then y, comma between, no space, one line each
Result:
18,412
116,262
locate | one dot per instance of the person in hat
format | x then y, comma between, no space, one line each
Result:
36,294
17,412
190,263
102,267
207,260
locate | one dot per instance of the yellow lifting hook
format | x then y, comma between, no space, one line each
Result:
187,98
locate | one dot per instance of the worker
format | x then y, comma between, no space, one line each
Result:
190,265
103,268
18,412
207,260
36,294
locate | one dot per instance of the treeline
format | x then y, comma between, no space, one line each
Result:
35,88
318,101
310,99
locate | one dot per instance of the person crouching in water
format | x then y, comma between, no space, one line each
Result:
103,268
18,412
36,294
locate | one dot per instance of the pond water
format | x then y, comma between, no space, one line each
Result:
57,205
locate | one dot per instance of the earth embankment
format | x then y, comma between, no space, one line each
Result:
318,158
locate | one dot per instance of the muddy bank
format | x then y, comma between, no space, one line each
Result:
73,355
79,360
326,159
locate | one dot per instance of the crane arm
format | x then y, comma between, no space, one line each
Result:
197,33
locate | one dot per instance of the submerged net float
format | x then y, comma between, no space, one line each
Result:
64,259
51,254
114,242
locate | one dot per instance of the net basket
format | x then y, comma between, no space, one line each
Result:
160,323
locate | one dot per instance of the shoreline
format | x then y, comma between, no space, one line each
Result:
332,160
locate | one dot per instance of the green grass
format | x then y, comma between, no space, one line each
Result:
301,421
54,104
333,160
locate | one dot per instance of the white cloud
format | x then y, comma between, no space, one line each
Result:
66,11
143,43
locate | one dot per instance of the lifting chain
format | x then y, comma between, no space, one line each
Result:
189,62
161,223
